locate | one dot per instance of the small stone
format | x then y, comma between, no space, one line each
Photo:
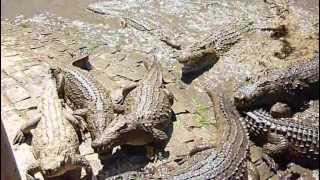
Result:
280,110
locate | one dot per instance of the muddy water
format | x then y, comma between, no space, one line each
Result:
75,9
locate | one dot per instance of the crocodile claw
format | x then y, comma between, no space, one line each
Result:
29,177
270,162
19,138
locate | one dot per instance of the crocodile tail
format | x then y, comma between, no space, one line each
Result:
149,63
154,75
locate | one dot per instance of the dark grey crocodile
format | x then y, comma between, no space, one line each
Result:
55,141
300,81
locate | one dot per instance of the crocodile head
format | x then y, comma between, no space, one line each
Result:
118,133
196,60
256,95
53,166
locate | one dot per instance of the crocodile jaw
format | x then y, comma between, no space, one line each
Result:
114,135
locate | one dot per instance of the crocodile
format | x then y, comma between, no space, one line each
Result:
88,98
229,160
278,8
277,22
296,135
147,113
55,141
207,51
300,81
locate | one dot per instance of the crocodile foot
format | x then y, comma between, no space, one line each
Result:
270,162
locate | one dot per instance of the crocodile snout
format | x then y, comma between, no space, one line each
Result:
246,96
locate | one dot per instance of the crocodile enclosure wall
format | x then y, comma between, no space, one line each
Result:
119,34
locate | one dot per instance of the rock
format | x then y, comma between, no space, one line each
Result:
280,110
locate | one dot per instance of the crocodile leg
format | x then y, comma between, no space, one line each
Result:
158,135
32,170
277,144
76,120
200,147
78,123
80,112
118,96
79,115
253,173
156,150
25,129
170,96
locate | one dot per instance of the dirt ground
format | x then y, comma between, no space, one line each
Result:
29,43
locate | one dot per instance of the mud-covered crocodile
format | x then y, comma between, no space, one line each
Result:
300,81
207,51
87,97
295,135
55,141
147,113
